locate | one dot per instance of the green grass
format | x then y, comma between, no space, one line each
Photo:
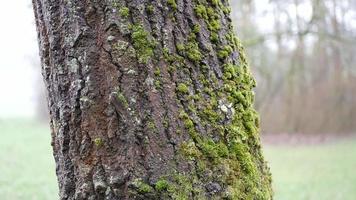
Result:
319,172
27,169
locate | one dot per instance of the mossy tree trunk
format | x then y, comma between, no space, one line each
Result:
149,99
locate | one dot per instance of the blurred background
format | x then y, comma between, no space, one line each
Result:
303,55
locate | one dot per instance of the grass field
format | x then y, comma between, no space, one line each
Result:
27,169
318,172
314,172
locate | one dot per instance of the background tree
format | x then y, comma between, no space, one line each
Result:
302,55
149,100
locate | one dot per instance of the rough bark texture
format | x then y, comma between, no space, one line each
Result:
149,99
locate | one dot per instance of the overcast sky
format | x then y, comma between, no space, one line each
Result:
18,52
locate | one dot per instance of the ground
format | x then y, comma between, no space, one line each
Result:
27,169
318,170
314,171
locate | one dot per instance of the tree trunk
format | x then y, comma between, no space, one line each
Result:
149,100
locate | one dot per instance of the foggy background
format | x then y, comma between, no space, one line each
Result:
19,60
303,55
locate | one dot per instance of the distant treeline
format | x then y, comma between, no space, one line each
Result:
303,55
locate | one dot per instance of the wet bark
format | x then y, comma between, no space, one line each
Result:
149,100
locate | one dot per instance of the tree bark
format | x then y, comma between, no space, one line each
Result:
149,100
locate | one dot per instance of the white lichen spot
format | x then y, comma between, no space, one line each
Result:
87,68
131,72
99,185
85,99
138,121
224,108
111,38
124,28
149,81
121,45
73,65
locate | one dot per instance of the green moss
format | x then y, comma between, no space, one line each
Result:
182,88
214,25
183,115
229,144
228,49
150,9
196,28
161,185
240,98
222,150
165,123
193,52
124,12
208,148
228,88
189,124
196,97
200,11
230,68
180,47
142,187
214,150
242,154
120,96
225,52
189,150
151,125
158,84
214,37
172,4
183,187
215,2
250,128
212,14
201,167
249,116
157,72
210,115
226,10
172,58
143,45
171,69
98,142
